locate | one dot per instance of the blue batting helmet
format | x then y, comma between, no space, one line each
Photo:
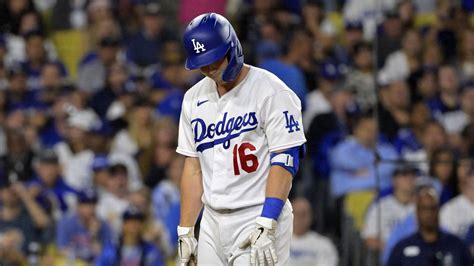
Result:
208,38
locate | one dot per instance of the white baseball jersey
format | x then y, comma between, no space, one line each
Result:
392,212
234,134
457,215
312,249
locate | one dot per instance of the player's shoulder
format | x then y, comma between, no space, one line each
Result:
201,87
268,83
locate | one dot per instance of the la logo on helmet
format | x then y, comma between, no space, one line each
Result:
198,47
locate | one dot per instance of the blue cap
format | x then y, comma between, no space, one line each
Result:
88,196
100,162
101,127
330,70
468,85
133,214
354,25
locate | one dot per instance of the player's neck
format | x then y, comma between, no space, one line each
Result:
226,87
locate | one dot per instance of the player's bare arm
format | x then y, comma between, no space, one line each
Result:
191,192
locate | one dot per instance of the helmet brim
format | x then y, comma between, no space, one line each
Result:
206,58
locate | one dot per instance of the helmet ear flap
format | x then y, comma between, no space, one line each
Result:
235,59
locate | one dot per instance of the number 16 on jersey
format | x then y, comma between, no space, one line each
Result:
242,160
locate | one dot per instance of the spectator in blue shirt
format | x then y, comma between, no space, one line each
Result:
131,249
143,48
286,67
83,234
353,160
50,190
429,245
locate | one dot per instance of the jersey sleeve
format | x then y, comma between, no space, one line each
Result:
282,121
186,144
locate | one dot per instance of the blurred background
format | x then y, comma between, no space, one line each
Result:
90,97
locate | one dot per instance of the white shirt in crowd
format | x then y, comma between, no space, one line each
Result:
316,104
110,209
391,212
396,68
457,215
312,249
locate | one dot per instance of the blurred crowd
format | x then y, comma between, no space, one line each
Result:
90,98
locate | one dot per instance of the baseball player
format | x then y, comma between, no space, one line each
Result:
241,132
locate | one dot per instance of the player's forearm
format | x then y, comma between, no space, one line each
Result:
278,183
191,192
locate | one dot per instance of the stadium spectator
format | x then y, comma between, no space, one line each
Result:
131,249
114,201
458,214
17,163
423,86
74,153
352,161
360,80
49,187
429,245
443,170
82,234
94,65
389,38
318,101
401,63
448,98
143,47
21,214
466,56
392,208
433,137
166,198
309,247
289,67
394,108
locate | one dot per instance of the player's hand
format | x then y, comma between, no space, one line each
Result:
187,245
262,242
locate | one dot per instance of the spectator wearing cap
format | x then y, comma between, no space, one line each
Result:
18,96
458,214
51,84
429,245
360,80
143,47
287,68
394,109
100,171
92,70
21,213
400,64
352,160
49,188
131,249
392,208
307,246
82,234
74,153
114,200
317,101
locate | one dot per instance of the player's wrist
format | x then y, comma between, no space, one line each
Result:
272,208
185,231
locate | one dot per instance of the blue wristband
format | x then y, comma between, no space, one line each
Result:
272,208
